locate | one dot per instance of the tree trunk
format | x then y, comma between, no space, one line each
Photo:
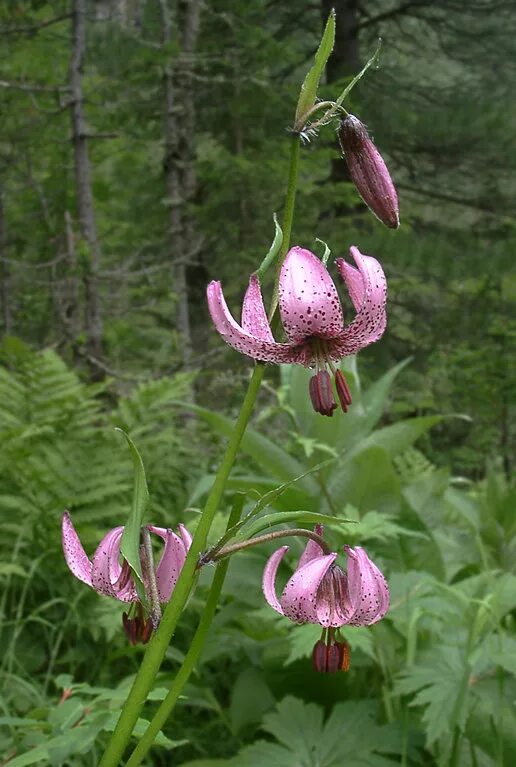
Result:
5,275
86,212
179,164
66,289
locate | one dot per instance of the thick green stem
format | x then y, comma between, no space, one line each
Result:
192,656
157,648
288,216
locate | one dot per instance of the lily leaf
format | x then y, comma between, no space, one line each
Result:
130,545
287,517
311,83
273,250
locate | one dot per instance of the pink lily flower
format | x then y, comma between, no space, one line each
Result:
320,592
312,317
107,576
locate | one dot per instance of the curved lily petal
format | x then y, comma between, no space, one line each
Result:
368,290
170,564
240,339
333,605
368,590
312,549
76,558
299,595
107,570
308,299
254,316
269,579
185,535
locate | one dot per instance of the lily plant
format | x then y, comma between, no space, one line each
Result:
312,317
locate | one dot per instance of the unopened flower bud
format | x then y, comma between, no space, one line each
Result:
369,171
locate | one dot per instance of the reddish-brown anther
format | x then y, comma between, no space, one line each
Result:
330,656
343,391
321,393
368,171
319,656
138,628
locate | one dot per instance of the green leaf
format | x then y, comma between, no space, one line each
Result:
399,436
440,685
287,517
130,545
373,60
273,251
266,453
349,737
250,699
11,568
311,83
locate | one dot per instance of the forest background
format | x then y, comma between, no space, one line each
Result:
143,153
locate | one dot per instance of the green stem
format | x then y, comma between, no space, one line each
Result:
300,532
192,656
157,648
288,216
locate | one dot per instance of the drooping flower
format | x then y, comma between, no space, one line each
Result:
312,317
106,575
320,592
368,171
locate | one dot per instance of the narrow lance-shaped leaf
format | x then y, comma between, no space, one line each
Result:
288,517
311,83
130,544
273,250
372,61
266,500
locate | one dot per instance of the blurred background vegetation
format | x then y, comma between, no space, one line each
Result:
143,151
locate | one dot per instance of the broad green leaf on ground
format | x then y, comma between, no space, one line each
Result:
439,683
350,737
397,437
367,480
250,699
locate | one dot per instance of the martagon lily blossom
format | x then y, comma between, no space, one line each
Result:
107,576
320,592
312,317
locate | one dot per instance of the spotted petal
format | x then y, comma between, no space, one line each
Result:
185,535
107,571
240,339
308,299
368,290
269,579
76,558
254,316
368,589
333,606
312,549
171,562
298,600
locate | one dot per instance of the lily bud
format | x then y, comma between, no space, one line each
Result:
369,171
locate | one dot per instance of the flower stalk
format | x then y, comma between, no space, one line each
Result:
194,652
226,551
157,648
